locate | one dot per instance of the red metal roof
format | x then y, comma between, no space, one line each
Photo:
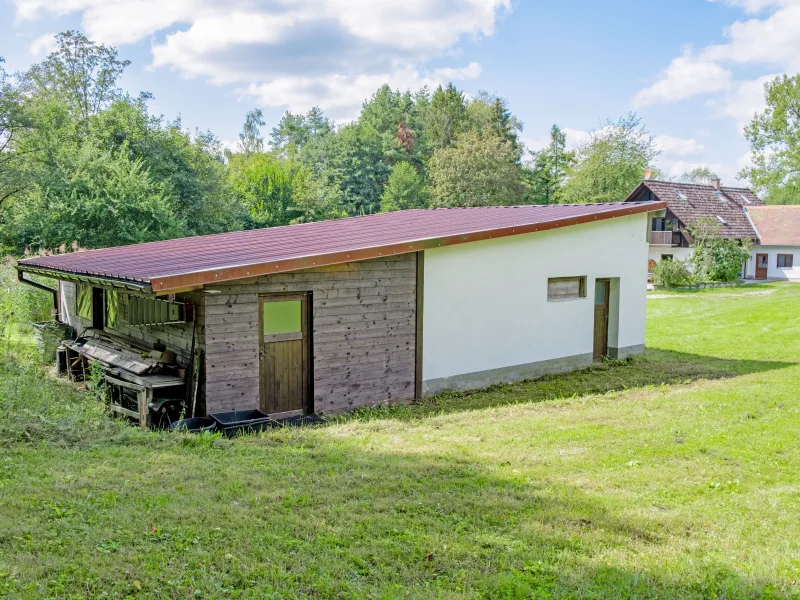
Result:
183,263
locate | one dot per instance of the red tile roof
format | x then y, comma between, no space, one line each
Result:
777,225
690,201
183,263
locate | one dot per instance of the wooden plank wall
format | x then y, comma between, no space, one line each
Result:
177,337
364,317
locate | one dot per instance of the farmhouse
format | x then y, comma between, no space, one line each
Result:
328,316
778,248
686,202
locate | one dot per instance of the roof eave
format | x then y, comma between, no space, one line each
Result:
127,284
173,283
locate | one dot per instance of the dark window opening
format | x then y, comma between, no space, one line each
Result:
785,261
98,308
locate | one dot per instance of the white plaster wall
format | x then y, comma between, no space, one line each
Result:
678,253
773,272
485,303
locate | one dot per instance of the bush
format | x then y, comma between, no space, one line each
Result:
672,273
715,258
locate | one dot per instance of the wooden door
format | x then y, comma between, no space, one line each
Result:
285,359
762,262
601,301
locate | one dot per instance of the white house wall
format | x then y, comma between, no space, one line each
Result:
773,272
656,252
486,317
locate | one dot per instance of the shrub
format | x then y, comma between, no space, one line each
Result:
715,258
672,273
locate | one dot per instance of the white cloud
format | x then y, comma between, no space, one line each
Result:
769,41
743,102
339,95
293,53
686,76
43,45
670,146
576,137
754,6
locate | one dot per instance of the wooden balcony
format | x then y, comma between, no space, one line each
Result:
665,238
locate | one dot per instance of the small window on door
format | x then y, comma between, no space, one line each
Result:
566,288
785,261
282,317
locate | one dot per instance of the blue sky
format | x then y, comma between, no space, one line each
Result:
692,69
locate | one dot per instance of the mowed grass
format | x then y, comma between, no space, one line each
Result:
676,475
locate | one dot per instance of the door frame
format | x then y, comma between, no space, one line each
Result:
766,269
607,301
306,323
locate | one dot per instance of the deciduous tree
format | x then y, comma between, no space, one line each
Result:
774,137
479,170
404,190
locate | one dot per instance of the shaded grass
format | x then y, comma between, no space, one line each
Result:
674,475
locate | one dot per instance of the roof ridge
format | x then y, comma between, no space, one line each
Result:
700,185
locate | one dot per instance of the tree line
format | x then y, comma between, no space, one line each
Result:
84,162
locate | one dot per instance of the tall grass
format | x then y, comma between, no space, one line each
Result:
35,406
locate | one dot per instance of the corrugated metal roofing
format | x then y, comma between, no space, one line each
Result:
777,225
186,262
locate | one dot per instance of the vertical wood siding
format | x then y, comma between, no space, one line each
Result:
363,334
177,337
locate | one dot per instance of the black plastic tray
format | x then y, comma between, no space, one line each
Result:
236,422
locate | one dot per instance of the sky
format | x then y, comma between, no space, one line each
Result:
693,70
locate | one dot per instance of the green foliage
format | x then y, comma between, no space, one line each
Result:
699,175
263,185
92,197
355,170
21,304
79,72
294,132
610,164
672,274
490,115
446,116
84,161
715,258
774,137
404,190
788,193
250,139
548,172
479,170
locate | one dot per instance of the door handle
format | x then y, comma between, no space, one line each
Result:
261,355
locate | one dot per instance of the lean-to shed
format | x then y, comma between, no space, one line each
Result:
327,316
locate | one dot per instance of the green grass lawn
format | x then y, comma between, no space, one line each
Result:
674,475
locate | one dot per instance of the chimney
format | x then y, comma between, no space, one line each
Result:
648,174
716,183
